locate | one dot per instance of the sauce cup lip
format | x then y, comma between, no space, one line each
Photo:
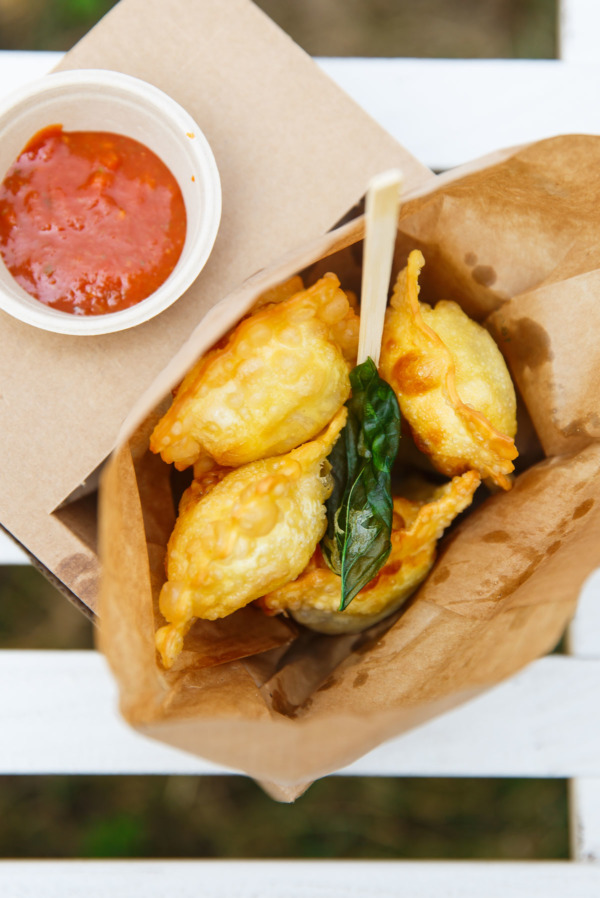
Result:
203,208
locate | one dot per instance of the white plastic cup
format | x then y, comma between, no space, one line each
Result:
102,100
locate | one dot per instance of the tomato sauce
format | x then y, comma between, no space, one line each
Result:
90,222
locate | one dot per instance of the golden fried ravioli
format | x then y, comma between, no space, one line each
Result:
314,597
451,381
244,533
280,377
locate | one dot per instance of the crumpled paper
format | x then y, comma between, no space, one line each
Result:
514,241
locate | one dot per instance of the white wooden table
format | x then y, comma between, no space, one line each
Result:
60,716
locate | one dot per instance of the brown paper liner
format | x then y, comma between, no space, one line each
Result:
513,242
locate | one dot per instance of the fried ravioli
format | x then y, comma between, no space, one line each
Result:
244,533
451,381
278,380
314,597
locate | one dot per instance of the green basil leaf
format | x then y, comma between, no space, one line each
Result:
357,541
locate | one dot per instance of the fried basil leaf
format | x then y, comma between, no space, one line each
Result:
357,542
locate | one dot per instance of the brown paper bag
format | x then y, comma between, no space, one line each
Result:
514,242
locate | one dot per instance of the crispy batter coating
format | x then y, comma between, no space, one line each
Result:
242,533
314,597
280,292
277,381
451,382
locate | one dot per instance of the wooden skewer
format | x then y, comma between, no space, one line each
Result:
381,222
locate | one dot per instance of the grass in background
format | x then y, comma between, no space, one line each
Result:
48,24
230,817
33,615
142,816
438,28
430,28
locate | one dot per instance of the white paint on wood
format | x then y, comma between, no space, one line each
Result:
59,716
584,801
579,30
444,111
584,792
10,553
447,112
529,725
584,632
297,879
18,67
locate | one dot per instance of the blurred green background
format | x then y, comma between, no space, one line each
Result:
229,816
442,28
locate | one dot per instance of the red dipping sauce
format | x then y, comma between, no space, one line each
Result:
90,222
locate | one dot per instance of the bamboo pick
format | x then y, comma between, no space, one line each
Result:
381,221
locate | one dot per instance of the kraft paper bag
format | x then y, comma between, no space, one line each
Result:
514,241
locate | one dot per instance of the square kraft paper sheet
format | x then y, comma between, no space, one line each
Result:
294,154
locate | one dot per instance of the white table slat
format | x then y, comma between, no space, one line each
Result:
59,713
584,791
584,801
579,27
446,112
18,67
10,553
584,632
298,879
